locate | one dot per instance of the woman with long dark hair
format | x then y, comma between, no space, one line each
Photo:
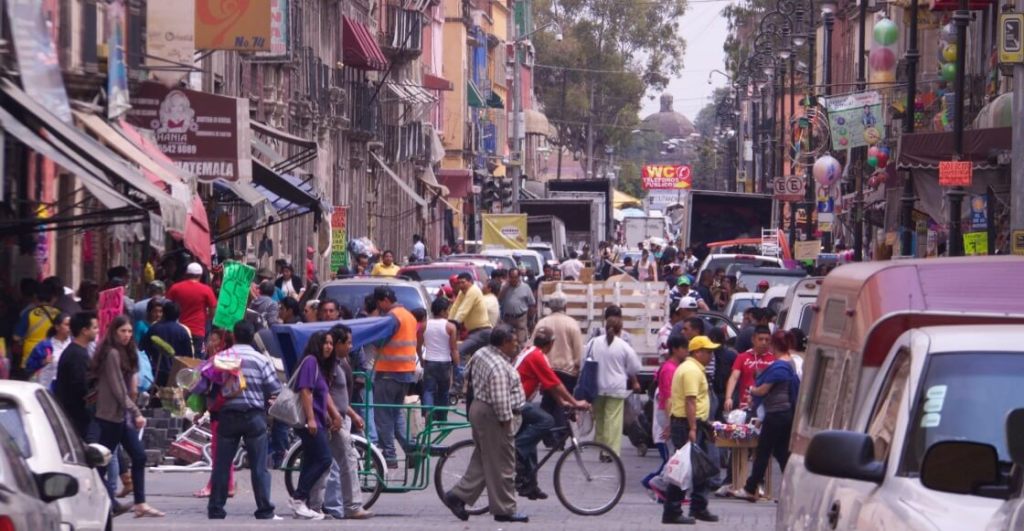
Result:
316,365
114,365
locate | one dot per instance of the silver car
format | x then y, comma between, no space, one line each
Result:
46,439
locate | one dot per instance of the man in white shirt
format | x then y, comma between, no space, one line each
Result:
571,268
419,250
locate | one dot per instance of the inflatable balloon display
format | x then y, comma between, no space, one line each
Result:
882,57
827,170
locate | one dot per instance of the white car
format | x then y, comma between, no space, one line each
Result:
798,308
49,443
531,260
739,302
25,498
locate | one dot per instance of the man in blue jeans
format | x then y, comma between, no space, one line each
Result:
244,415
537,375
394,372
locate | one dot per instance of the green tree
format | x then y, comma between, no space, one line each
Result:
629,179
614,51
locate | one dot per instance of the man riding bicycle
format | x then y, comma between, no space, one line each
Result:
536,375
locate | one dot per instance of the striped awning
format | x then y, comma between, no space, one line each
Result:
359,48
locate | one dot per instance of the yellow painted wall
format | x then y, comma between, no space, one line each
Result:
454,70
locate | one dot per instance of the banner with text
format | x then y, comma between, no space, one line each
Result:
232,25
110,305
280,50
170,40
505,230
339,237
855,120
666,177
234,295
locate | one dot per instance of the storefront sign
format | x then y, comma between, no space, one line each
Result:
233,25
666,177
955,173
1011,38
504,230
855,120
37,57
204,134
788,188
339,237
1017,242
170,40
661,199
117,70
806,250
976,243
979,212
234,295
278,33
111,304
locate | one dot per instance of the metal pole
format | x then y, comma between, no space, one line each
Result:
762,142
1017,166
829,21
858,202
561,141
515,169
908,199
962,17
811,60
782,122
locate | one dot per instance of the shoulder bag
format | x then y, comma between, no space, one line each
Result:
287,408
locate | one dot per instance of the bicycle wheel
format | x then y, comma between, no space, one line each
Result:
450,469
370,482
292,466
586,484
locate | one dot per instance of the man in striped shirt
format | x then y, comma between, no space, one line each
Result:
243,415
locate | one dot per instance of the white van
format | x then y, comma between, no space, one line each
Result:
798,307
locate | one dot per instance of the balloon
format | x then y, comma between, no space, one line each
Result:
948,72
840,120
827,170
886,32
882,158
879,76
948,33
949,53
882,59
844,141
872,161
873,151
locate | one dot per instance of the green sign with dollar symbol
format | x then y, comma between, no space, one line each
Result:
234,295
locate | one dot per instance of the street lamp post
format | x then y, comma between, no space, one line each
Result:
908,199
809,185
962,17
858,202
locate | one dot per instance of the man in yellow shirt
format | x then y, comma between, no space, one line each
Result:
470,312
386,267
689,407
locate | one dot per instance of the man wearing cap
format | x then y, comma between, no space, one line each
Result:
689,407
394,372
536,375
763,286
683,289
197,303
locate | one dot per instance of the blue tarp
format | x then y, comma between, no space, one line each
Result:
366,331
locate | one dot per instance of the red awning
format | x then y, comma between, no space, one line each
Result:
433,82
924,151
459,182
359,48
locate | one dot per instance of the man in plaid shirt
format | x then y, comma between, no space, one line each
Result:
495,418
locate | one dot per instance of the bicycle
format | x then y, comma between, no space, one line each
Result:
595,473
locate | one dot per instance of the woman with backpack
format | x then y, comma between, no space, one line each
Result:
217,341
112,369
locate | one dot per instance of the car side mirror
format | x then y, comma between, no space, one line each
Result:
56,485
1015,435
959,467
844,454
97,455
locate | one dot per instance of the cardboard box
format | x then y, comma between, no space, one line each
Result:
181,362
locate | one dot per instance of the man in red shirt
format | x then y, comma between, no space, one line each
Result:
747,366
537,376
197,303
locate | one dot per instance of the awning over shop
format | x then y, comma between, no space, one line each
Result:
494,101
411,93
307,149
620,199
359,48
90,154
260,203
474,97
398,180
537,124
287,194
459,182
924,151
996,113
430,180
433,82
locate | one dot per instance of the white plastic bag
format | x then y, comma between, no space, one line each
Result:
632,409
678,470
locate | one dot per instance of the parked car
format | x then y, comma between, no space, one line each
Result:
798,308
774,298
49,444
25,497
545,251
504,262
713,262
750,277
739,302
530,260
351,292
1011,514
434,275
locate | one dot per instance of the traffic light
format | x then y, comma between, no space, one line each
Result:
506,195
489,196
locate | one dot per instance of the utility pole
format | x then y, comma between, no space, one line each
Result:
811,60
516,168
962,17
908,199
858,202
561,141
828,19
1017,167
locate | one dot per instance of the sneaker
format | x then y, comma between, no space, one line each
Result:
725,491
303,512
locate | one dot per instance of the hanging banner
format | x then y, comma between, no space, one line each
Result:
37,57
339,237
806,250
979,212
233,25
855,120
234,295
279,49
666,177
170,40
955,173
504,230
117,70
204,134
110,305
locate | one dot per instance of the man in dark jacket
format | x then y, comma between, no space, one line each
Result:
165,340
71,384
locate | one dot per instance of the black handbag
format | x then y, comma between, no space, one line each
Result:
586,386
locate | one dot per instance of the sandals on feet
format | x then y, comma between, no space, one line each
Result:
145,511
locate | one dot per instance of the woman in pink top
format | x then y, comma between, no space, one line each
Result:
677,344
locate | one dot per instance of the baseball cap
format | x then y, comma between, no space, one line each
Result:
157,285
702,343
194,269
762,284
688,303
684,280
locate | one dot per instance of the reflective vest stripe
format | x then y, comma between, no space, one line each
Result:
399,354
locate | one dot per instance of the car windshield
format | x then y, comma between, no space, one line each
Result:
433,273
750,279
724,262
545,253
805,318
506,261
964,396
351,296
529,262
10,419
740,305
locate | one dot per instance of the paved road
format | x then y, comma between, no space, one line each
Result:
421,510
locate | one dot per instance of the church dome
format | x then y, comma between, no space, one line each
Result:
668,122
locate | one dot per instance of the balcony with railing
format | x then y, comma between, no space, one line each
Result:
364,116
401,36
